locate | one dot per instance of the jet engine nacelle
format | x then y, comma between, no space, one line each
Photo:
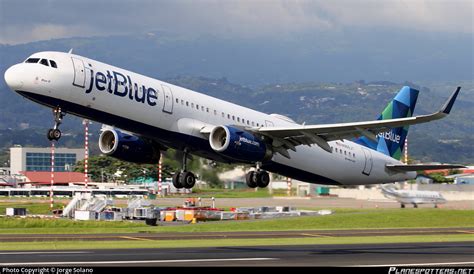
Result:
238,144
127,147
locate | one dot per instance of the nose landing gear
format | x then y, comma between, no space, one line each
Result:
54,133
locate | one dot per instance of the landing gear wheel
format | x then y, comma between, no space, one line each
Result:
263,179
176,181
402,205
54,134
187,179
251,179
183,178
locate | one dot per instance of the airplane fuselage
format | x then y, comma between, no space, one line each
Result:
174,117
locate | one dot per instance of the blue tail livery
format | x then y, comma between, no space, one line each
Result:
391,142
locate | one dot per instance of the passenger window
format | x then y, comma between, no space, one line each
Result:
187,103
32,60
44,62
182,102
177,100
233,117
53,64
253,123
248,122
215,112
228,116
192,105
238,119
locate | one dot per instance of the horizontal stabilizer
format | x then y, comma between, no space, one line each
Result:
421,167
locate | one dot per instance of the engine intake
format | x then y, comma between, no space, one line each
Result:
127,147
238,144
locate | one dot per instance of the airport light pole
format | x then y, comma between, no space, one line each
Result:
86,152
288,183
51,199
160,182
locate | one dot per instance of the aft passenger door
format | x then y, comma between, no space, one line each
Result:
79,72
368,161
167,99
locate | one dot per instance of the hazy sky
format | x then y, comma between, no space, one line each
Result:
26,21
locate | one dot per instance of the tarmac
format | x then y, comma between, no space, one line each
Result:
453,254
157,236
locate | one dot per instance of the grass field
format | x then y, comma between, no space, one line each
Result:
341,219
235,193
32,207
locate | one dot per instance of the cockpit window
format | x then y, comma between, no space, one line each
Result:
53,64
32,60
44,62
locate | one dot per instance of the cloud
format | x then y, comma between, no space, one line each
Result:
437,15
29,20
15,34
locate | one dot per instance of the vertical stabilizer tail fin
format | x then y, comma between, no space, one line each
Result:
392,142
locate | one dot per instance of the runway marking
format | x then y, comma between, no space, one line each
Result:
45,252
466,232
134,238
417,264
316,235
141,262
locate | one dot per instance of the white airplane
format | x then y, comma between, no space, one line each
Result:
414,197
153,116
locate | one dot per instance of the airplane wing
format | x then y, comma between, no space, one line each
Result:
405,168
285,138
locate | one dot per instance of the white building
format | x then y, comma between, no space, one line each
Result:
39,159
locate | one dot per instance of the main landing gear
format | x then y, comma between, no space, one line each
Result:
183,178
258,178
54,133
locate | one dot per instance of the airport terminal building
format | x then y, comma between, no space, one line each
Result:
39,159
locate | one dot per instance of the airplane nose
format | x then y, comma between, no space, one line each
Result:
13,77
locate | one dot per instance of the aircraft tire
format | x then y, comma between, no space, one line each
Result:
251,179
56,134
176,181
187,179
50,134
263,179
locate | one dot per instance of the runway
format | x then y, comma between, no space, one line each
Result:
233,235
411,254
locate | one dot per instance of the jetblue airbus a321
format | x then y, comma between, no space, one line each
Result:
147,116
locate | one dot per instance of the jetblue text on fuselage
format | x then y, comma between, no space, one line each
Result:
118,84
